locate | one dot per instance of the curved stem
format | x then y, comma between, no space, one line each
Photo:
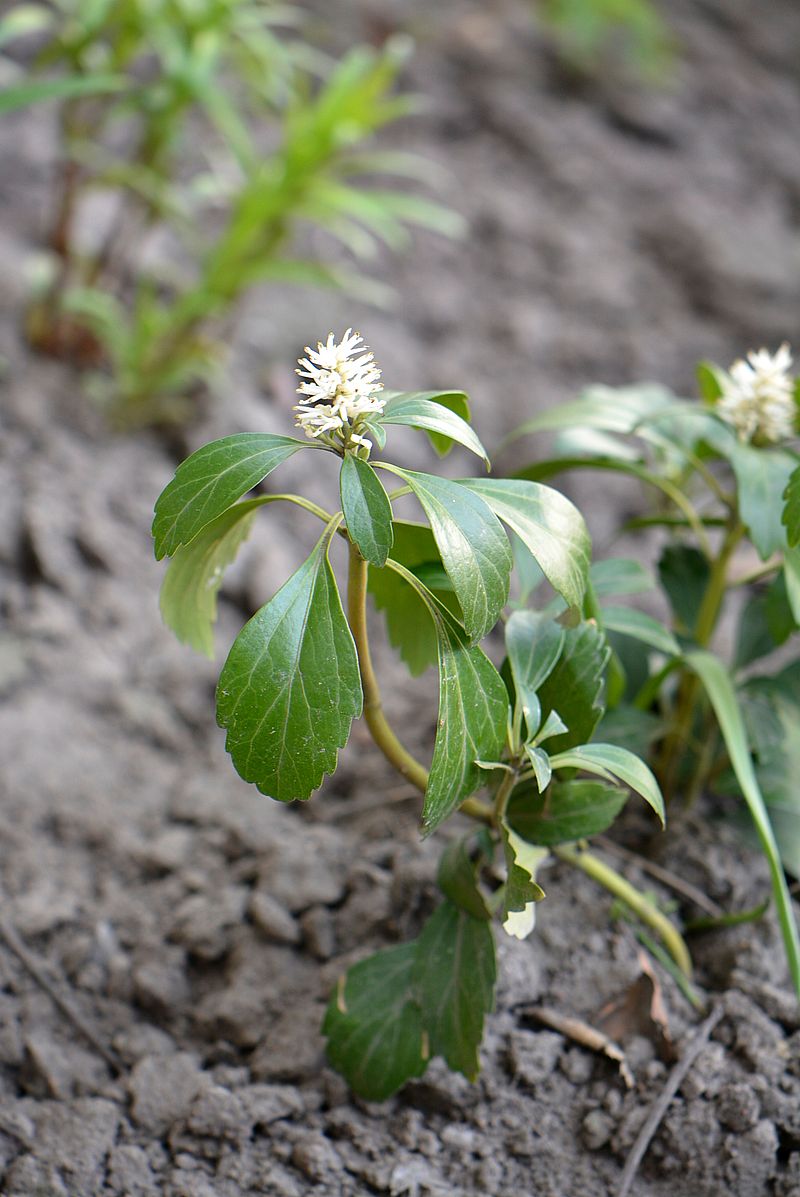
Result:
611,880
299,501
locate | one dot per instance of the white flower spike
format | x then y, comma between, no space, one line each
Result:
758,396
341,384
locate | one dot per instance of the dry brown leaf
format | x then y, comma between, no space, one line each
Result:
639,1010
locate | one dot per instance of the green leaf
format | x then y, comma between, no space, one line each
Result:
472,545
631,728
575,686
627,621
431,411
709,380
473,714
408,625
620,575
762,477
549,525
522,862
791,577
718,686
614,764
290,687
212,480
766,621
608,409
189,591
791,512
457,878
777,771
34,91
684,574
533,644
570,810
367,510
374,1026
540,763
454,978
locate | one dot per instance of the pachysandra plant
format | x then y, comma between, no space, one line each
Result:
301,671
727,476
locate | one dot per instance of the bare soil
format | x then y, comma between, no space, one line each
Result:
616,234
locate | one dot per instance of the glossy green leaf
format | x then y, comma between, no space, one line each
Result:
718,686
533,644
454,978
457,878
472,545
614,764
374,1025
540,763
575,686
620,575
290,687
432,412
194,575
684,574
409,627
762,477
549,525
367,510
522,863
473,714
570,810
212,480
791,511
627,621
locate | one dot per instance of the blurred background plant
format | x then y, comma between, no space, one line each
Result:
594,36
213,130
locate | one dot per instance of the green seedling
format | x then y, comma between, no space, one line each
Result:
301,671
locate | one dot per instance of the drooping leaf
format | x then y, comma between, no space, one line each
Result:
717,684
367,510
290,687
762,477
188,598
574,687
211,481
440,414
791,511
374,1025
614,764
684,574
620,575
472,545
457,878
569,810
454,976
408,624
522,862
627,621
549,525
473,713
533,644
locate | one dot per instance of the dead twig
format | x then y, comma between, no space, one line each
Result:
583,1033
662,1102
665,876
29,962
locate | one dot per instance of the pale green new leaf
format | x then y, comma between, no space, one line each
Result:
472,545
614,764
791,512
212,480
473,713
549,525
639,626
290,687
430,411
533,644
762,477
453,982
718,686
367,510
374,1026
188,598
575,686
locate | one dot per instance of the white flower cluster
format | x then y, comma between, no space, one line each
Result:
341,385
758,396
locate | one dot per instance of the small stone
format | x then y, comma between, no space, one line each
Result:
577,1065
266,1104
76,1138
596,1129
738,1107
292,1049
534,1054
55,1069
318,930
273,919
163,1089
28,1176
316,1157
170,850
130,1174
203,924
160,984
219,1113
144,1040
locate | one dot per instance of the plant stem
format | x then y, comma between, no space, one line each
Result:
611,880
